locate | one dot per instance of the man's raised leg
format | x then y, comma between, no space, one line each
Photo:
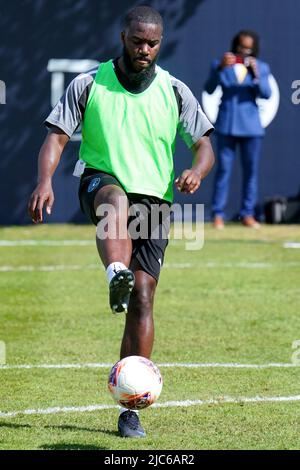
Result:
114,244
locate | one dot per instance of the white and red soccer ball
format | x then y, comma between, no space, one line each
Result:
135,382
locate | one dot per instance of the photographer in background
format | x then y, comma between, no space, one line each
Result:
243,78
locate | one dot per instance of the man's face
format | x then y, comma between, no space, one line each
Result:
142,43
245,46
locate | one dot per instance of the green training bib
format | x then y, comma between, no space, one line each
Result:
132,136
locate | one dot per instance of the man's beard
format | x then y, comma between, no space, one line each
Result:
134,77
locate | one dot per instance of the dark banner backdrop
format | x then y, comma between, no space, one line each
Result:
32,32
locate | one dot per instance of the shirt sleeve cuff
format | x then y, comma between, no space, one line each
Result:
52,123
206,131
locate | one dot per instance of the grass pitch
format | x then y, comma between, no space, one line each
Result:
235,301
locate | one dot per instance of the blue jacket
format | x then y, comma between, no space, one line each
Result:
238,111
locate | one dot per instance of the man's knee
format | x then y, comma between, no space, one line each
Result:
111,197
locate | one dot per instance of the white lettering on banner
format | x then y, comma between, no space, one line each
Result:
296,95
58,68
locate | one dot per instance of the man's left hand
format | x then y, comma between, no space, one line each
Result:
252,64
188,182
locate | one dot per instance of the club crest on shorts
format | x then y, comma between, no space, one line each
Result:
93,184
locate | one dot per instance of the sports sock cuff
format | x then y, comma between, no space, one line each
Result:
113,268
122,410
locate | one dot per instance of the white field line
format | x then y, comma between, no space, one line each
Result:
73,242
295,245
16,243
7,243
50,268
92,267
168,404
196,365
12,243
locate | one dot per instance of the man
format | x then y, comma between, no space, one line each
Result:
130,110
243,79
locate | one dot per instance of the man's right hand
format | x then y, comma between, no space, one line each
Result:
228,60
43,194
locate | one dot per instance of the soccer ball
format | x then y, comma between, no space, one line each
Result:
135,382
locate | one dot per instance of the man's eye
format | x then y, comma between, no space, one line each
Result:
138,43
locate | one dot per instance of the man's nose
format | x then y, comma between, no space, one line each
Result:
144,49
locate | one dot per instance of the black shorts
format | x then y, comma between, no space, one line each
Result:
147,250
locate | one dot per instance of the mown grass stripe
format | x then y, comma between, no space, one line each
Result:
195,365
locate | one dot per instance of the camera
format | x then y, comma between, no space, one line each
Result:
241,59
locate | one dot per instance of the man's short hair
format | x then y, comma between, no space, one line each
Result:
142,14
251,34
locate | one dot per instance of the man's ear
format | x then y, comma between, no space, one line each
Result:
123,37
